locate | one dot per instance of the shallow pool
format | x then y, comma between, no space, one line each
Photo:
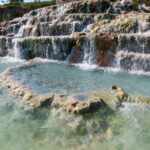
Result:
53,77
23,129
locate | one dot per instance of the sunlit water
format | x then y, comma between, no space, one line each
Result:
126,129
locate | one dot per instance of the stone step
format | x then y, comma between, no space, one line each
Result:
134,61
53,47
136,42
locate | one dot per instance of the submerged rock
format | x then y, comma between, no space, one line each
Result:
74,104
39,101
27,96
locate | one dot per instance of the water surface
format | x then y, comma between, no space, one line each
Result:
53,77
126,129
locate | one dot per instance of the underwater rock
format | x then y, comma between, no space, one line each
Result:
73,104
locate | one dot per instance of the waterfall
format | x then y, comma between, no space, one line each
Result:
21,33
17,50
143,26
52,33
89,51
54,46
133,52
134,61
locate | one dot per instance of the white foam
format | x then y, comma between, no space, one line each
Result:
132,72
85,66
111,69
139,72
45,60
82,66
9,59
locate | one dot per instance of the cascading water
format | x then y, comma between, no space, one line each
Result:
21,33
17,51
89,51
48,33
133,51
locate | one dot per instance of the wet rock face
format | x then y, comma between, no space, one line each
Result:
100,46
105,45
74,104
134,61
76,55
124,5
56,48
134,43
3,46
90,6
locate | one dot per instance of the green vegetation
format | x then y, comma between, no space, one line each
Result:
137,2
13,10
32,5
15,1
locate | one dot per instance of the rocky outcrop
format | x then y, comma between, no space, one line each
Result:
74,104
123,96
105,46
